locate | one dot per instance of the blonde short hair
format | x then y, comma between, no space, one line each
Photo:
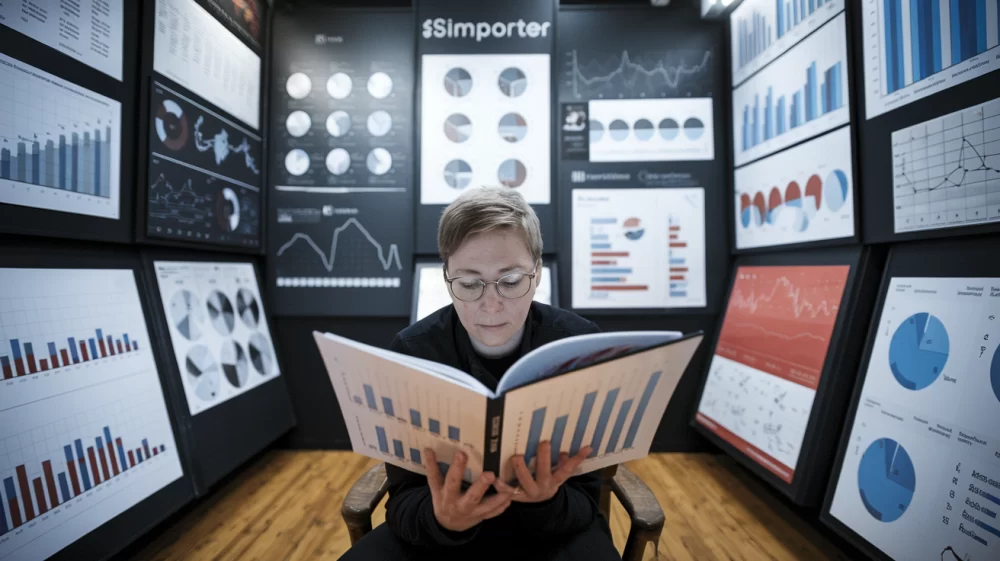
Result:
484,210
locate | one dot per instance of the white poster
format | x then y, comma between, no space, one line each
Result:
921,474
218,330
197,51
651,130
89,31
485,121
639,248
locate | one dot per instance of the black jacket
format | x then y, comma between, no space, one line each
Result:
440,337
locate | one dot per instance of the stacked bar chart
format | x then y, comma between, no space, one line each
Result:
23,361
911,41
57,139
801,95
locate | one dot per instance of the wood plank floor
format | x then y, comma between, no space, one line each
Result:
286,506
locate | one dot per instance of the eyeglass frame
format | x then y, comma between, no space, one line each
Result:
531,277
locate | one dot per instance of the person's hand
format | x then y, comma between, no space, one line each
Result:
454,510
546,482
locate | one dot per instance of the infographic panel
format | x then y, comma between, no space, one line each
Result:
433,294
800,195
83,417
946,171
651,130
800,95
195,50
245,17
218,330
639,248
204,173
769,359
763,30
89,31
60,144
485,121
916,48
921,473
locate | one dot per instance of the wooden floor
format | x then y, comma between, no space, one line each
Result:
286,507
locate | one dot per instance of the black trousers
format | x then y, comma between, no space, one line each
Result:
591,544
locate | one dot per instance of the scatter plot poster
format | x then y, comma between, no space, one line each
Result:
769,359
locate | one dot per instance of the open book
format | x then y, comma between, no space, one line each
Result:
605,390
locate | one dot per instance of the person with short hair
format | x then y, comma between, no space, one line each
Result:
491,244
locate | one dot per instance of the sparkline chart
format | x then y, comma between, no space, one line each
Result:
804,93
636,75
946,171
915,48
762,30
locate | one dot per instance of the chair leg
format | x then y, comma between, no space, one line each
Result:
635,546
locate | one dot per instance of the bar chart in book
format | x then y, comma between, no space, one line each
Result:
59,143
804,93
762,30
909,44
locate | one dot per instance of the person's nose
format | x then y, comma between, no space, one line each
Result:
492,302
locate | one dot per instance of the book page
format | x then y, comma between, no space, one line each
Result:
393,410
572,353
613,407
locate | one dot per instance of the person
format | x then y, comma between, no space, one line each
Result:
490,242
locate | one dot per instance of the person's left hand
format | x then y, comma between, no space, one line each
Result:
546,482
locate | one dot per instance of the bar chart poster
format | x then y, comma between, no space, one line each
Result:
638,248
218,330
392,412
802,94
762,30
921,469
90,31
946,171
916,48
615,414
60,144
800,195
81,406
769,359
651,130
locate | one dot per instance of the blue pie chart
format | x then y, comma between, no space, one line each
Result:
886,480
995,373
918,351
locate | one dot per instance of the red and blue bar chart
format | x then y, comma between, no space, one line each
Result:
24,361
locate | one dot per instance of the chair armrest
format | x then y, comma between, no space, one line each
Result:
640,503
364,496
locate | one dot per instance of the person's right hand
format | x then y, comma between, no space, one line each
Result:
457,511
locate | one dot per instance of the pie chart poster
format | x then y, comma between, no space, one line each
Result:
485,105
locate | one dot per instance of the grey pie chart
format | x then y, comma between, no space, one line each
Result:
379,85
298,86
596,131
513,82
298,123
186,314
339,85
669,129
221,313
248,308
512,173
643,129
234,364
261,355
297,162
338,123
694,128
618,130
202,372
513,127
458,174
338,161
458,82
458,128
379,161
379,123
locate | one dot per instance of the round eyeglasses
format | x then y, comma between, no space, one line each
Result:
470,289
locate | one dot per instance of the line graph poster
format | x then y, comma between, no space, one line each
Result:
946,171
929,409
769,359
340,256
651,57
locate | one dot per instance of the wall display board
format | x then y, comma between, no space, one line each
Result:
917,475
485,104
430,291
90,457
90,31
773,385
67,90
340,236
638,248
214,321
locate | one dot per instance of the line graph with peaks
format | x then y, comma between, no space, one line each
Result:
946,171
779,319
647,74
386,258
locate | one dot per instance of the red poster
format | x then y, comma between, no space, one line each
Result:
779,319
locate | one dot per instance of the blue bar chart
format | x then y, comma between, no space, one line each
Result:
59,143
801,95
911,41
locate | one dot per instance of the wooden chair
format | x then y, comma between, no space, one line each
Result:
645,514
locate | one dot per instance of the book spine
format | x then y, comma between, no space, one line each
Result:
494,435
